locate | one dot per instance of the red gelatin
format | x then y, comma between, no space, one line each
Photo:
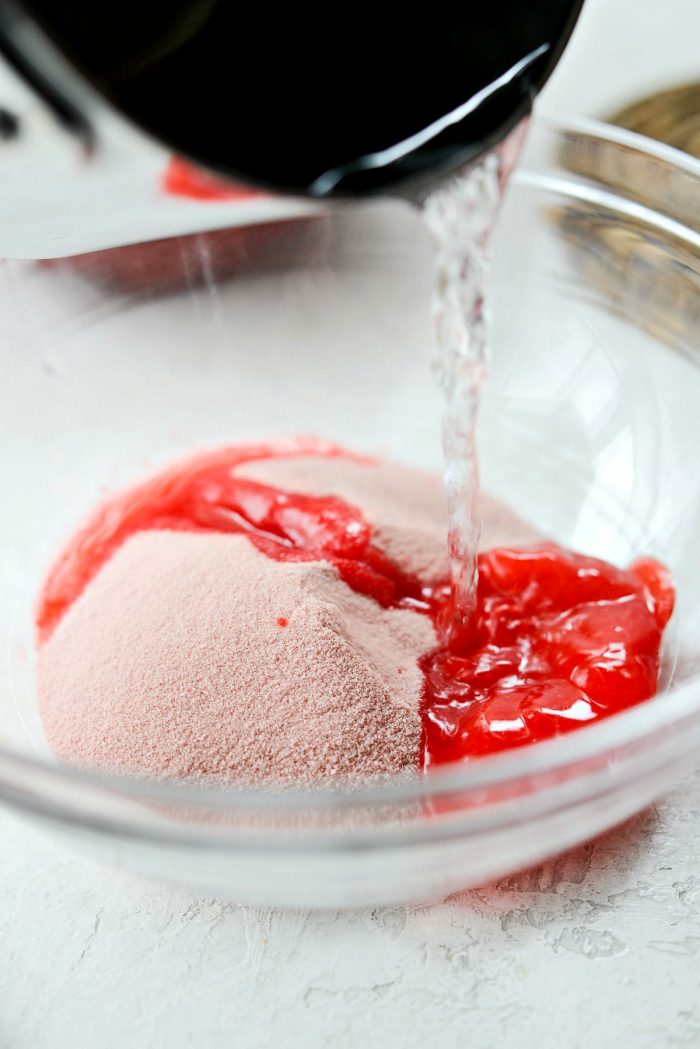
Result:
561,640
184,179
558,639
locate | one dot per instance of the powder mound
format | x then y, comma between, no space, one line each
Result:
195,656
404,506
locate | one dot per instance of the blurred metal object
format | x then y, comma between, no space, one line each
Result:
651,278
634,231
670,116
660,179
654,278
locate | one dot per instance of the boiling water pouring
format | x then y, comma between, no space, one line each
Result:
461,216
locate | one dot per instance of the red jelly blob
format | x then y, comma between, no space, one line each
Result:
558,639
184,179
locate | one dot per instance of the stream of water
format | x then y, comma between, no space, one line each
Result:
461,215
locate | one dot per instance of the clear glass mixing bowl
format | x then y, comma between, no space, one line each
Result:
117,363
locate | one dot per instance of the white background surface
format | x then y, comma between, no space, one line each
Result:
600,948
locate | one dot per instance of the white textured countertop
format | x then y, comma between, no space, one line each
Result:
600,948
